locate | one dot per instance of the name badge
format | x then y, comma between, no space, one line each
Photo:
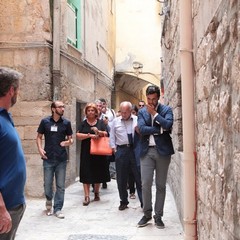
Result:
54,128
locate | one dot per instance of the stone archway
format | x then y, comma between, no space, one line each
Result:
131,87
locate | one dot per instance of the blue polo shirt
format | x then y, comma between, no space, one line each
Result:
12,163
54,133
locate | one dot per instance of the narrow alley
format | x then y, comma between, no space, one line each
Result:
98,221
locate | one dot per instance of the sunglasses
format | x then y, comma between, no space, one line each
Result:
141,105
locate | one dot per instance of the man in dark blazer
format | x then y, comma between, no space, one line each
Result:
155,122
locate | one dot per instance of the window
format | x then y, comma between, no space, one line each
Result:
73,23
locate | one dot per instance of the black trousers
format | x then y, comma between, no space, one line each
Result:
125,160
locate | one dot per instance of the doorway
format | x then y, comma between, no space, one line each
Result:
79,118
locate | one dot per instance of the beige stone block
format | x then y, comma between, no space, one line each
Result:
235,72
236,166
223,231
177,128
225,107
199,115
6,26
229,209
3,9
6,58
213,158
203,83
34,184
34,160
236,117
219,206
27,58
43,57
29,147
30,109
200,55
26,121
30,132
20,131
214,107
204,221
19,24
177,112
214,224
201,187
221,158
12,6
237,217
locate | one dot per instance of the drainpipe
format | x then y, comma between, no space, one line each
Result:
56,48
189,152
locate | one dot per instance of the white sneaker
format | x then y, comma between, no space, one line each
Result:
48,207
59,214
132,196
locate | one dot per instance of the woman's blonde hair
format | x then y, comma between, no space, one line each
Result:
91,105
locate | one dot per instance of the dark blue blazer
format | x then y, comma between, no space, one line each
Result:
162,137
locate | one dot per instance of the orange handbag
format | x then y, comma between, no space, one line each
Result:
100,146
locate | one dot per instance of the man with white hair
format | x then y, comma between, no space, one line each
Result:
122,142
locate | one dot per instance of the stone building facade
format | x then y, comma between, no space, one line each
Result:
65,49
138,49
216,61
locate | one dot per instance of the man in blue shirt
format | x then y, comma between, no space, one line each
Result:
57,132
12,161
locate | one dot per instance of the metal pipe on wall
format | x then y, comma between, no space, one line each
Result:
56,48
189,152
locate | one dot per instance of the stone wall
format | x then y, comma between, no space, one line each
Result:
217,86
216,58
172,96
85,74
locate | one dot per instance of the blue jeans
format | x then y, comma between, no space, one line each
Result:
55,168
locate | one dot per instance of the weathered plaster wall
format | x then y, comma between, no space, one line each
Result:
25,30
138,36
99,35
25,21
138,40
85,74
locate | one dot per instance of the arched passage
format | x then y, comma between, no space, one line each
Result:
131,86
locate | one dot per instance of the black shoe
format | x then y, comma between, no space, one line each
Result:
113,176
158,221
104,185
144,221
122,207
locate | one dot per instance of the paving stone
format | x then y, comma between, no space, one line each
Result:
96,237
